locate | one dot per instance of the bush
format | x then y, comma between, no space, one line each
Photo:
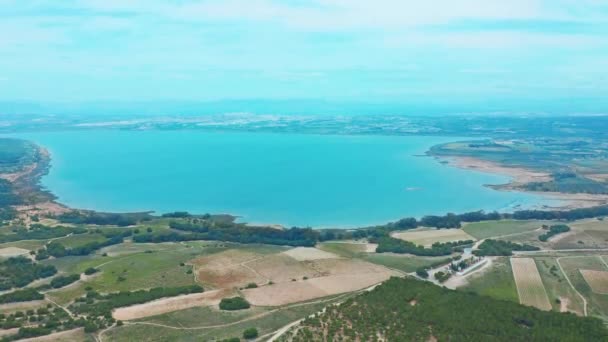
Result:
62,281
421,272
90,270
250,333
235,303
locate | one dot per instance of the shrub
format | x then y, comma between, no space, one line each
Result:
250,333
90,270
421,272
235,303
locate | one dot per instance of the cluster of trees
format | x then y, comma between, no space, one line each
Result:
44,321
40,232
61,281
405,309
7,214
58,250
442,277
234,232
554,230
25,295
103,219
569,182
95,304
234,303
566,215
501,248
20,271
388,244
177,214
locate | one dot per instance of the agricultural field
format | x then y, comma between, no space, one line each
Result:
529,283
426,236
562,296
597,304
585,234
493,229
597,280
287,277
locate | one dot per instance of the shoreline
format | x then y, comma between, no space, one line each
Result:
521,176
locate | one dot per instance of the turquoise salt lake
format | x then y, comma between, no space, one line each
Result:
282,178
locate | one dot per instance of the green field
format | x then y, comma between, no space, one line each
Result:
489,229
557,287
347,250
403,262
497,282
80,240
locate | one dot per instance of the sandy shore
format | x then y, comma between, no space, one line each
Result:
518,175
521,176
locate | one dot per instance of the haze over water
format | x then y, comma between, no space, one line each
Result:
288,179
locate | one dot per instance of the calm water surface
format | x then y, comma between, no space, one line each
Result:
289,179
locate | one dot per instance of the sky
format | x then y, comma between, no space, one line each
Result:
381,50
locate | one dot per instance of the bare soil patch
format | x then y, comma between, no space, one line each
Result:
519,175
165,305
4,308
334,276
282,268
10,252
67,336
530,286
8,332
309,253
226,269
597,280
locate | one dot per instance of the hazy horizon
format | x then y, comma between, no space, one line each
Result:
519,55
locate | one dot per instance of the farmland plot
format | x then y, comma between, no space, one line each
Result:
597,280
530,287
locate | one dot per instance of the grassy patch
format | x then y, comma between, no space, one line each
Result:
556,285
402,262
80,240
497,282
428,236
488,229
347,250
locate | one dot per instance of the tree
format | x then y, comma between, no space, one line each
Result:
250,333
421,272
